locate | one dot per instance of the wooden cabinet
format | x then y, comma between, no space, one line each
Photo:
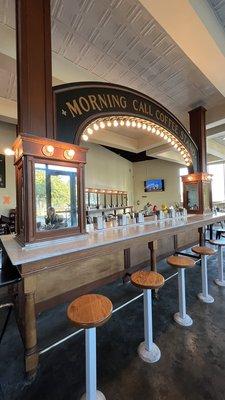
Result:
197,193
50,189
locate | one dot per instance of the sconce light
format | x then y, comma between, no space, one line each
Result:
48,150
9,152
69,154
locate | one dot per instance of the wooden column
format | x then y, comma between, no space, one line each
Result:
198,133
30,329
153,247
34,67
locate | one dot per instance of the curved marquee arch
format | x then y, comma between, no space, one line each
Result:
76,105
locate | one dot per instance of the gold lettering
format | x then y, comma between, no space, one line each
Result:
123,102
84,104
135,105
109,100
102,101
115,100
93,101
74,108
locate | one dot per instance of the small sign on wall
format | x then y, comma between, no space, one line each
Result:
2,171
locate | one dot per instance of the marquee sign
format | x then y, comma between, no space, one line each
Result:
78,104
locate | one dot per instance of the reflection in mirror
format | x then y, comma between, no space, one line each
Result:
114,200
101,200
56,197
93,200
192,196
108,200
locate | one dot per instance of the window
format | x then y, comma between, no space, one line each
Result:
218,181
183,171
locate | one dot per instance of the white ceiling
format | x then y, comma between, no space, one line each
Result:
118,41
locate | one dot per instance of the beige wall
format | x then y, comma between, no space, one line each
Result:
168,171
107,170
7,137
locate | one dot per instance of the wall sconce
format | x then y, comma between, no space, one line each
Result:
48,150
69,154
9,152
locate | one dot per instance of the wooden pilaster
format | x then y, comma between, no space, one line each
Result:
34,67
198,133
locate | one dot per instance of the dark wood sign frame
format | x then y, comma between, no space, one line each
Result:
76,105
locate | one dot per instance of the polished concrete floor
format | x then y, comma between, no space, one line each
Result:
192,365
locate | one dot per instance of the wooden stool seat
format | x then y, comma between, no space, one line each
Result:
147,280
180,262
203,250
90,310
218,242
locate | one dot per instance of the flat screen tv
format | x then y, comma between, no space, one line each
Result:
154,185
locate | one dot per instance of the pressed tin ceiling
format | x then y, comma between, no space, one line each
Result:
218,7
119,41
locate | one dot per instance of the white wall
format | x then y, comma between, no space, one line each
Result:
154,169
7,137
107,170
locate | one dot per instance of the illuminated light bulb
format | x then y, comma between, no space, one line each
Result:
96,127
89,131
188,164
172,142
9,152
115,123
169,140
175,145
153,130
122,122
187,159
162,134
166,137
144,126
139,125
102,125
149,128
134,124
85,137
157,132
48,150
182,152
128,123
69,154
109,124
179,149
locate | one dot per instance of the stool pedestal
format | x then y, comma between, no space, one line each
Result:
204,296
148,350
182,318
91,376
220,280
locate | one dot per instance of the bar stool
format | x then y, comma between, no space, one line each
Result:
181,263
204,251
88,312
220,243
148,280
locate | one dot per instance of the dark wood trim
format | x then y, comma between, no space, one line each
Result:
198,134
34,67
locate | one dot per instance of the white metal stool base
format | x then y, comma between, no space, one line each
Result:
99,396
219,283
187,321
151,356
206,299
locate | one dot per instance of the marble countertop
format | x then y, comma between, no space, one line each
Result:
22,255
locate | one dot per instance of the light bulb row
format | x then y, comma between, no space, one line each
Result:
49,150
139,124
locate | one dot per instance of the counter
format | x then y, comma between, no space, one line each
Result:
56,272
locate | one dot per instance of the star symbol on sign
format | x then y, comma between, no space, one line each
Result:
64,112
7,199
